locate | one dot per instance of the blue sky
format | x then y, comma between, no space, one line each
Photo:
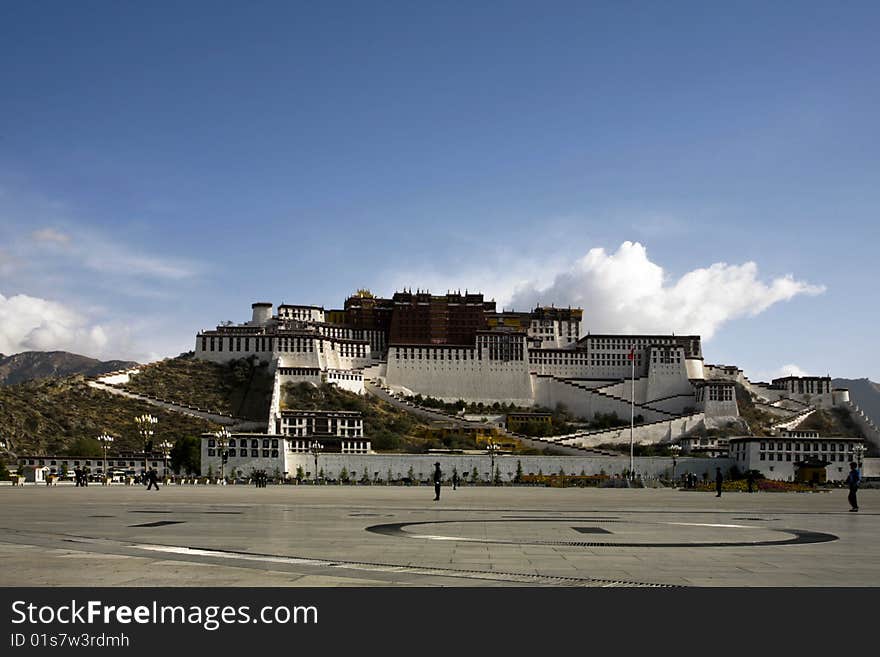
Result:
163,165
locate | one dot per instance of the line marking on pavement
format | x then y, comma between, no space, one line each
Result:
391,568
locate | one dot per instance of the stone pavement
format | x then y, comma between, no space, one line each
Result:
397,536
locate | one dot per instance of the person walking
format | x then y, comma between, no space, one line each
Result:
750,480
454,479
438,478
853,479
152,479
719,480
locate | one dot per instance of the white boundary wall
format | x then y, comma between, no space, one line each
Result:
399,464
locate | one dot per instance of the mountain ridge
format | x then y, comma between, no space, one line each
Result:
35,365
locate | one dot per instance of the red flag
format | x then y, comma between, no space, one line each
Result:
632,353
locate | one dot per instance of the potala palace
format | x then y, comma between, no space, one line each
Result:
461,347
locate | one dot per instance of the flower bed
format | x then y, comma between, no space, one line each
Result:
765,485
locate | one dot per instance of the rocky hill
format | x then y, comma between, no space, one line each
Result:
242,388
63,415
33,365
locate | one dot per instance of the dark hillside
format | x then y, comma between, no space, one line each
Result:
33,365
242,388
52,415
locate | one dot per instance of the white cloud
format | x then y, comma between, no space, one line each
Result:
98,253
625,292
50,235
33,324
116,259
497,273
790,370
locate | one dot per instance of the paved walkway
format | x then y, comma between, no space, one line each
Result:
397,536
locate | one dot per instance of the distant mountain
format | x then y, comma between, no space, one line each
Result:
31,365
864,393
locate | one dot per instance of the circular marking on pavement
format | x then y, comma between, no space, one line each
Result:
791,536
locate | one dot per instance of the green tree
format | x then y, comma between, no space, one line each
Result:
4,472
390,477
475,475
343,475
519,472
496,477
186,455
300,474
85,447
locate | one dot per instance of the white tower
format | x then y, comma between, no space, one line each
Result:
262,313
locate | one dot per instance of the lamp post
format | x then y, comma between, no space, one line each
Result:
860,452
492,447
145,424
222,437
166,447
106,440
675,450
315,448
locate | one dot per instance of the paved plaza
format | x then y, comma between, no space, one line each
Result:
398,536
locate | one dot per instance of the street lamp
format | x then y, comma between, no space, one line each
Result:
145,424
492,447
166,447
674,449
860,452
222,437
315,448
105,440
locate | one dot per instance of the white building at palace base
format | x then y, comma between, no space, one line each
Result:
782,457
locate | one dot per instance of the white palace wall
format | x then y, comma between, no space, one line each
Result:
667,373
583,403
656,432
676,405
295,351
470,379
624,389
694,368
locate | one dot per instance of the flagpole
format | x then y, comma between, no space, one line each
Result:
632,414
